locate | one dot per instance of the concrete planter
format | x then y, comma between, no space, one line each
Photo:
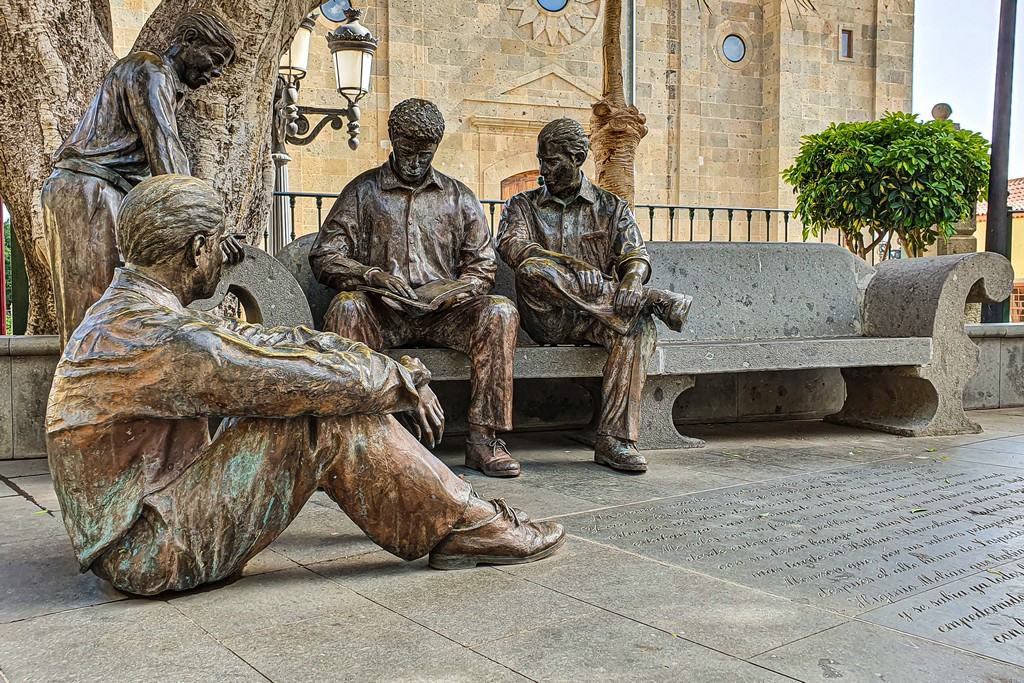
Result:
26,371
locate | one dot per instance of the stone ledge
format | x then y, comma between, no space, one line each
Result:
39,345
995,330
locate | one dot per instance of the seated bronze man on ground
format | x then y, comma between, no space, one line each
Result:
411,252
581,266
152,503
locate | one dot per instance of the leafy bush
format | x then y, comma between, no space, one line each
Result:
894,176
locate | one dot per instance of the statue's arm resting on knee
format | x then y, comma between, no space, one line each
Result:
213,371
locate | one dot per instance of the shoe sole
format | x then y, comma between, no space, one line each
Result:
621,468
469,562
503,474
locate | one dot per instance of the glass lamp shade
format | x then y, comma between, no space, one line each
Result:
295,61
352,47
352,69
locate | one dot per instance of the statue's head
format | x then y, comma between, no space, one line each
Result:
415,128
174,223
201,47
562,147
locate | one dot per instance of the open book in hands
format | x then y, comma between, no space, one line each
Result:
430,297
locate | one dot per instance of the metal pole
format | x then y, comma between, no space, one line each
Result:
3,276
995,229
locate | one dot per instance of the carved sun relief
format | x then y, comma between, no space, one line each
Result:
553,29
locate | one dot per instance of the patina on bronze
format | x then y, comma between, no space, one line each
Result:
581,268
151,503
128,133
411,252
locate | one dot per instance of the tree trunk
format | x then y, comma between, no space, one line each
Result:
615,127
55,56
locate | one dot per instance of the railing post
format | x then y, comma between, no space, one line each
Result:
711,225
729,213
650,215
785,217
693,212
767,226
291,206
671,224
491,207
319,215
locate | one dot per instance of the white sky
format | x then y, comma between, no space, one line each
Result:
955,62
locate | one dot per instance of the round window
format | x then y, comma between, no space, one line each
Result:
734,48
334,10
553,5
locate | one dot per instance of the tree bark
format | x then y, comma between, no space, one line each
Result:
55,56
615,127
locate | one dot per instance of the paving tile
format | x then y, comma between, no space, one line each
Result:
469,607
6,491
983,613
137,640
12,469
24,521
271,600
722,615
606,647
367,645
320,533
41,577
863,652
540,503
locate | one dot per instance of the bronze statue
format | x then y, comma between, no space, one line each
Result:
410,251
151,503
128,133
581,266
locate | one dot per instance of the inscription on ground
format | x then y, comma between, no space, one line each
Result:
852,540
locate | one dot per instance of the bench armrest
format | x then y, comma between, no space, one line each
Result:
925,297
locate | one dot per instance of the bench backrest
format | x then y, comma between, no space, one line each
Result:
740,290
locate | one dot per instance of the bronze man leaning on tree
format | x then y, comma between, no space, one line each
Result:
411,252
581,268
129,133
151,503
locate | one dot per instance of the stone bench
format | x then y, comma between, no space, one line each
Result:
896,331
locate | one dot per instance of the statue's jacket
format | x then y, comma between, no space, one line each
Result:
128,408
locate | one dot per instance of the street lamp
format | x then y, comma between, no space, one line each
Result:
352,47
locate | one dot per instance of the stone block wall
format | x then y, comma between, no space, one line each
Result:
720,132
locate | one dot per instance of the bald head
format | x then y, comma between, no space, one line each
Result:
161,215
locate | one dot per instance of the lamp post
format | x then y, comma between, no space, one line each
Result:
352,49
996,225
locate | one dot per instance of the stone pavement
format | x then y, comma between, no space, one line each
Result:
783,551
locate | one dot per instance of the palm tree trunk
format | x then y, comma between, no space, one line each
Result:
615,127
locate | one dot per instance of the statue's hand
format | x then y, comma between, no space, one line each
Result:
231,248
392,283
590,278
429,418
629,295
420,373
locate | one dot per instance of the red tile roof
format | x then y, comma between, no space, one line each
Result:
1015,200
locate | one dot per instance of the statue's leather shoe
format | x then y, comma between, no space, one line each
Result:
500,539
619,454
491,458
671,307
522,515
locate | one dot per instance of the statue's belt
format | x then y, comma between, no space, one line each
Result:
95,170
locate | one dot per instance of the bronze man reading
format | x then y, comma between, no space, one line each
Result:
581,268
151,503
128,133
411,252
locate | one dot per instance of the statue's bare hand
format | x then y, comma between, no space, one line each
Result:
430,418
590,278
629,296
231,248
392,283
420,373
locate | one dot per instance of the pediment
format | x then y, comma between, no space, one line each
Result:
551,84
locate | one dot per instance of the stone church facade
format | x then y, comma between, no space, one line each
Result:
728,87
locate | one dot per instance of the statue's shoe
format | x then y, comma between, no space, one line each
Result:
671,307
491,458
500,539
619,454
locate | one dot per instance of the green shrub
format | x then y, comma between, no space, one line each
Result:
892,177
